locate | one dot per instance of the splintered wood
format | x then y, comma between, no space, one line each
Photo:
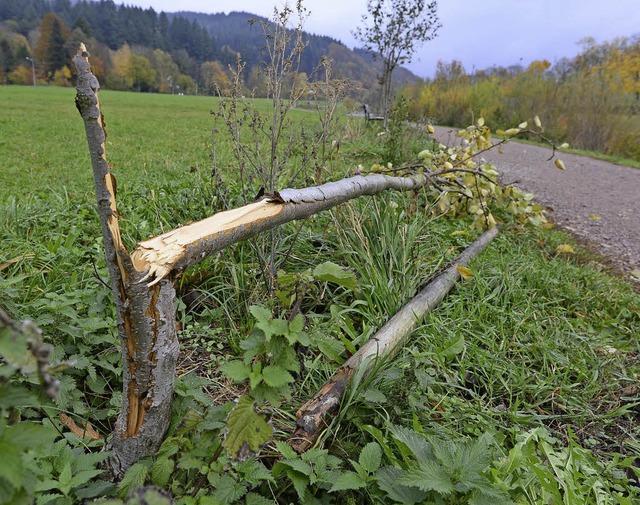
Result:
160,254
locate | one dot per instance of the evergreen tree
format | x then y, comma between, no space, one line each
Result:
50,49
56,57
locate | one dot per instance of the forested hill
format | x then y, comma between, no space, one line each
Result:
238,32
135,48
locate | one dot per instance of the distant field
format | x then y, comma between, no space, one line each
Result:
42,142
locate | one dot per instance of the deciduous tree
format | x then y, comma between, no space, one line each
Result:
392,31
213,77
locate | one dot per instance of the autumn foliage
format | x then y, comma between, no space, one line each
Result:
591,101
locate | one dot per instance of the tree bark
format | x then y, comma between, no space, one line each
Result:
312,416
145,315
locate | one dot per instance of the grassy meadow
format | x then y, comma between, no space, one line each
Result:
522,387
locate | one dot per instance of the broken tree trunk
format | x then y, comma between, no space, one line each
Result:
312,416
145,315
141,282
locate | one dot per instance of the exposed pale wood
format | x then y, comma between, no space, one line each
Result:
178,249
312,416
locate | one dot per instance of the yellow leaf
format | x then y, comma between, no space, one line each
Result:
564,146
537,122
595,217
460,232
448,165
636,273
565,249
512,131
522,126
431,129
465,272
16,260
481,121
558,163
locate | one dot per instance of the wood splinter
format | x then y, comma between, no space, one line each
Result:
313,416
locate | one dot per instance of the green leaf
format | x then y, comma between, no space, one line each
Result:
47,484
269,326
297,324
373,395
256,499
14,348
300,483
494,498
254,472
277,327
413,441
83,476
236,370
260,314
453,346
17,396
255,376
246,429
330,347
330,272
295,332
348,480
161,471
227,490
43,499
133,478
95,489
11,464
476,456
190,462
65,478
300,466
276,376
27,435
387,479
429,476
150,496
286,450
370,457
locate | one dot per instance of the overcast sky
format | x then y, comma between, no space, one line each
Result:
480,33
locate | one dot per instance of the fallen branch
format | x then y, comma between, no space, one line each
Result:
312,415
174,251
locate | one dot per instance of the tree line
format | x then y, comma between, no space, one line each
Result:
133,48
142,50
591,101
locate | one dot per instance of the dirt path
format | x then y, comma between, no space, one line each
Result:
598,202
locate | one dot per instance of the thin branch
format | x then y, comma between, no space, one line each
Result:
312,416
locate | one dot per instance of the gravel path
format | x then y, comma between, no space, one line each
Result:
597,201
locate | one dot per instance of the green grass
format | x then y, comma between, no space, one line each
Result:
534,340
149,136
